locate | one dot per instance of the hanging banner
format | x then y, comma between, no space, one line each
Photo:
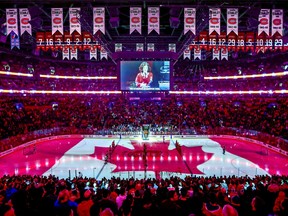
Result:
222,40
278,42
74,17
264,21
12,20
190,20
99,20
103,53
87,40
49,41
93,52
215,54
250,41
153,19
260,39
232,41
135,19
14,39
150,47
203,40
58,41
232,20
277,21
77,40
118,47
140,47
197,53
68,39
187,53
57,20
40,40
74,53
66,53
25,18
214,20
224,54
241,41
212,43
172,48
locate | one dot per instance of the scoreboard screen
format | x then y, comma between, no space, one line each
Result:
145,75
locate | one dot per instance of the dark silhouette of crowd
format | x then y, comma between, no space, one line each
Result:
198,196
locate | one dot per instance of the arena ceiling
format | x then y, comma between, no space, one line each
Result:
119,33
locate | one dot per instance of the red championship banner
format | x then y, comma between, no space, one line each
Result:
241,41
250,41
192,44
203,40
58,40
68,40
268,44
278,42
77,40
232,41
87,40
49,41
40,40
222,40
260,40
212,42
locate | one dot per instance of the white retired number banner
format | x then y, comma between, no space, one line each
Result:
57,20
232,20
190,20
277,21
74,16
12,21
135,19
25,18
264,21
172,48
66,53
214,20
153,19
216,54
187,53
103,53
93,52
99,20
150,47
224,53
74,53
197,53
118,47
140,47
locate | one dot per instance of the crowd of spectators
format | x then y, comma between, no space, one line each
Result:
198,196
21,115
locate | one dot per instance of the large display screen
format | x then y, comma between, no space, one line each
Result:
145,75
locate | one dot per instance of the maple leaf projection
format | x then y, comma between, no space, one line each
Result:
159,158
